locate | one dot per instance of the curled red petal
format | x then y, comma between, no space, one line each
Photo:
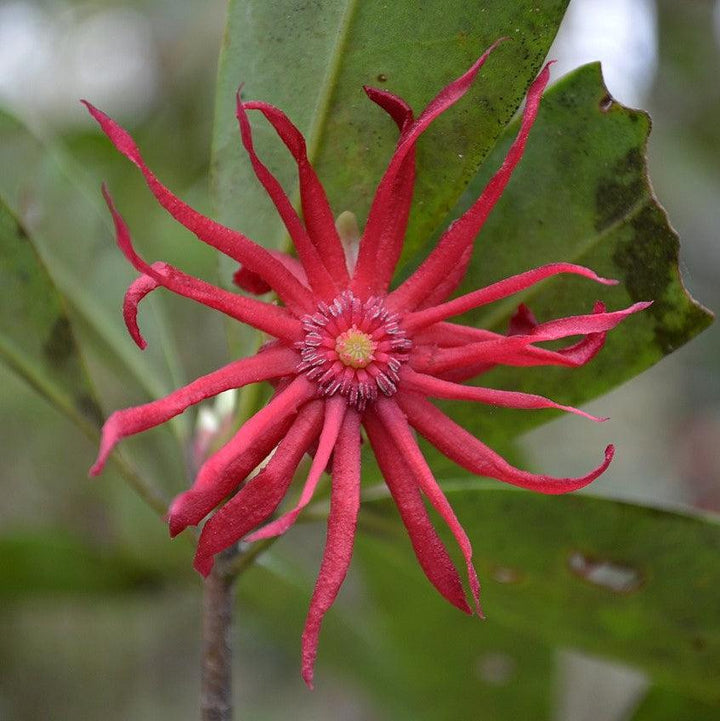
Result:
496,291
463,231
253,283
263,316
439,388
335,410
397,428
138,289
470,453
270,363
230,242
342,523
259,498
318,276
224,471
429,549
317,213
522,321
393,105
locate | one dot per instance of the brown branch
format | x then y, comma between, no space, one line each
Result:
216,687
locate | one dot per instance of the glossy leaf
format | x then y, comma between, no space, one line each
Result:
617,581
312,60
581,194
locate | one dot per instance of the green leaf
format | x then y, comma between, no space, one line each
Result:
312,59
663,705
61,207
618,581
580,194
38,343
36,339
50,562
407,655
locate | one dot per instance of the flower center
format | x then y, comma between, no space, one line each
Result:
353,348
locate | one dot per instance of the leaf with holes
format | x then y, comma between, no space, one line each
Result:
615,580
415,659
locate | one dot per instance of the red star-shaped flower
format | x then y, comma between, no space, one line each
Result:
350,352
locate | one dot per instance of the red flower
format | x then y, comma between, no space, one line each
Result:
348,351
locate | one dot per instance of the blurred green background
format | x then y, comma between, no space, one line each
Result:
127,647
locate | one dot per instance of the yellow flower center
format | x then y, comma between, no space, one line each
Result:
355,348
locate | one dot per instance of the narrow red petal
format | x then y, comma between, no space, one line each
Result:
318,276
263,316
438,388
223,472
335,410
582,324
461,234
258,499
270,363
429,549
342,523
438,360
461,363
470,453
516,349
227,241
445,288
317,214
494,292
384,233
396,427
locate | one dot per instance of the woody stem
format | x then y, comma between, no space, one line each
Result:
216,686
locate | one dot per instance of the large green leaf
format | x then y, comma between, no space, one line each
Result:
581,194
619,581
416,659
312,59
36,339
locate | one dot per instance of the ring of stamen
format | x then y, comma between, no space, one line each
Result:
353,348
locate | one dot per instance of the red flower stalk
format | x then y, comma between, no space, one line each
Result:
349,351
